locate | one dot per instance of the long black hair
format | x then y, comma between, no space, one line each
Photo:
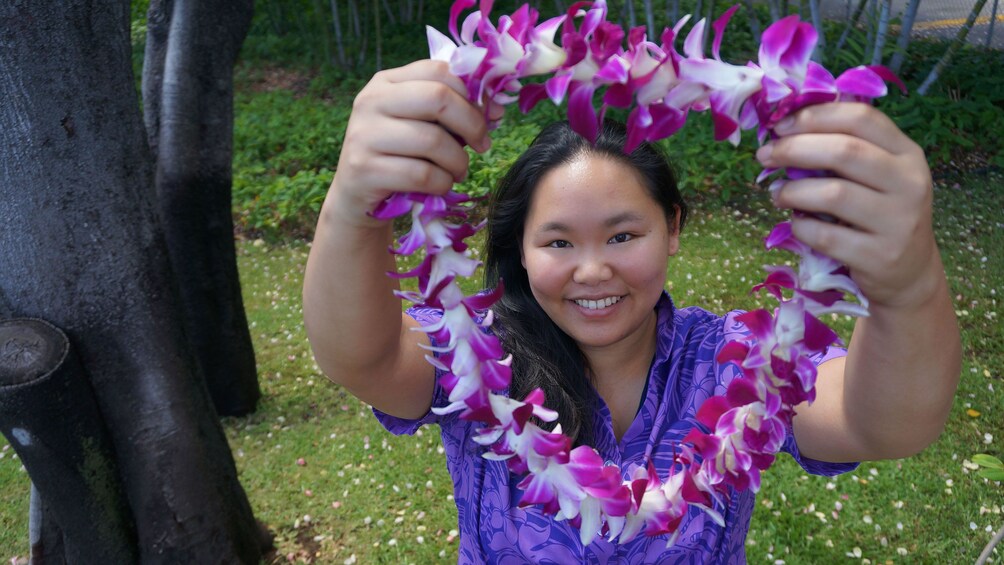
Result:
544,356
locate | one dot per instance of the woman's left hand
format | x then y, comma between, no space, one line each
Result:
880,191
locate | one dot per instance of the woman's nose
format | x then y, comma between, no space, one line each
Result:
592,269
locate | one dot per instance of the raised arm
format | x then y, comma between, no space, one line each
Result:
402,136
891,395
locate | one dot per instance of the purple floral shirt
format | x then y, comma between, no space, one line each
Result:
684,374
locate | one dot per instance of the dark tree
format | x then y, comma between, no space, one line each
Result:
188,110
82,247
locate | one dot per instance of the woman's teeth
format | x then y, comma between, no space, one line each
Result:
599,304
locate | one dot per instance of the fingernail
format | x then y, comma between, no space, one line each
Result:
763,154
785,124
486,143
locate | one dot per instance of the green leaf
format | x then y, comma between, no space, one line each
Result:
984,460
992,474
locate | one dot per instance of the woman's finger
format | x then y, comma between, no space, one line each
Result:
848,201
424,70
852,247
437,103
423,140
393,173
845,155
851,118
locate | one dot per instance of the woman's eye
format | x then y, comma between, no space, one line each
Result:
559,244
621,238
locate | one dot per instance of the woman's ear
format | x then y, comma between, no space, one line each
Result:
674,231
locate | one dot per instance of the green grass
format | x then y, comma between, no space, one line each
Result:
366,493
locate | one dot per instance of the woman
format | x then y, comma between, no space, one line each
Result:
581,235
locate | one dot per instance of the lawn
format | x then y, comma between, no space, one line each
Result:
336,488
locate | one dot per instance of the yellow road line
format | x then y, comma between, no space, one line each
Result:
957,22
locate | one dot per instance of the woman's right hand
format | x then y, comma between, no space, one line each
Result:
406,134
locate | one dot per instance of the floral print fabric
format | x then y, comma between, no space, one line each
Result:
684,374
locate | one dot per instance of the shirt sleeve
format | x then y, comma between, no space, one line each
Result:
734,330
402,426
790,446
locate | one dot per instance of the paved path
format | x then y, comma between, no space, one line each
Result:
937,18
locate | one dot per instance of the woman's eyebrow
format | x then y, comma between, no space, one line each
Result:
615,220
623,218
553,226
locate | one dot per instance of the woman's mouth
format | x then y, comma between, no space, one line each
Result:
599,304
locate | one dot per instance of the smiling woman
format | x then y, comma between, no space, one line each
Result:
671,408
570,225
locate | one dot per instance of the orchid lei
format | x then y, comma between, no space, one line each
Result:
739,433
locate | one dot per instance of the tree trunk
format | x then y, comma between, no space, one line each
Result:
817,22
81,247
990,28
336,23
390,13
378,36
709,16
189,115
851,24
672,12
960,39
754,21
650,21
319,14
357,27
873,14
775,9
362,19
44,535
71,464
905,31
881,32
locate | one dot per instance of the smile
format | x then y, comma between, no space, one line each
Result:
599,304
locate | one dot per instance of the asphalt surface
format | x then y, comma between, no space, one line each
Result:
937,18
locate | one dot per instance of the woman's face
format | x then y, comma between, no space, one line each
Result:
595,246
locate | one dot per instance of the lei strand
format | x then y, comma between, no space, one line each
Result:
738,433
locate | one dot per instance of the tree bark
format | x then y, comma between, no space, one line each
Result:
44,535
81,247
188,96
49,415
